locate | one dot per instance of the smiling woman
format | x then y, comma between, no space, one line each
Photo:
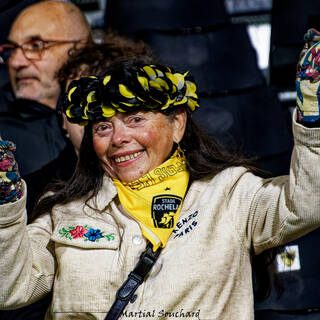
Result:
148,177
131,145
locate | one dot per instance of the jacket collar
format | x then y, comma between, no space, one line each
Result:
105,195
23,108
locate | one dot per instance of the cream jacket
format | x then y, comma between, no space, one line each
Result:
204,272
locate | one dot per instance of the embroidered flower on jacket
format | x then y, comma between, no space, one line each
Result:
93,234
78,232
66,232
85,232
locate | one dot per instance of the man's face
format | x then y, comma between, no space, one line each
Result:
35,79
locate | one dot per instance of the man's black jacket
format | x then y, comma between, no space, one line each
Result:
33,127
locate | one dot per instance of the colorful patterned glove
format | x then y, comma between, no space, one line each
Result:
307,79
10,181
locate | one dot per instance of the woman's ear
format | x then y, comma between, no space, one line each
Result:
180,122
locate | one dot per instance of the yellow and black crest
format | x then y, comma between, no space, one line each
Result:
164,208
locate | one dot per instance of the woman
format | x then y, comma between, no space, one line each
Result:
146,174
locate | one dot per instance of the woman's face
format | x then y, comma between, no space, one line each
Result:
130,145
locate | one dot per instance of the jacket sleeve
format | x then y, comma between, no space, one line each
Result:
27,265
278,210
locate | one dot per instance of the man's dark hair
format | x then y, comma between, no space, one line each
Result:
95,58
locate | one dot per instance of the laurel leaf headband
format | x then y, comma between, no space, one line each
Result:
143,87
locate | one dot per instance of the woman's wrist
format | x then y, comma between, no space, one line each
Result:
10,192
304,122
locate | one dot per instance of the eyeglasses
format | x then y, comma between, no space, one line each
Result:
32,49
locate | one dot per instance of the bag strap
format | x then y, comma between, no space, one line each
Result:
135,278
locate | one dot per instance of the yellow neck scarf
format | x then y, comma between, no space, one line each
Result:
155,199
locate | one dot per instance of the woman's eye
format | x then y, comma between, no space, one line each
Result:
102,128
134,119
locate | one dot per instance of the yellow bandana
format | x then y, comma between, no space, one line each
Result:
155,199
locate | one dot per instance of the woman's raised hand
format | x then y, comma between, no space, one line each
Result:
307,79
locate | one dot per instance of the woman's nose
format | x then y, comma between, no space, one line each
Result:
121,134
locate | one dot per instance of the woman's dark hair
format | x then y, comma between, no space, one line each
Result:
205,157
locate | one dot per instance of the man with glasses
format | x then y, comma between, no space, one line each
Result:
38,44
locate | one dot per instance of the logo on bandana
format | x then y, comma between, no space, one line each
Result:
164,208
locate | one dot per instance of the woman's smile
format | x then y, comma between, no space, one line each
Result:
126,159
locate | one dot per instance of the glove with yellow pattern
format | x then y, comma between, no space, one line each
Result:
307,80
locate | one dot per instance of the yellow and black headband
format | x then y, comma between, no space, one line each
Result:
127,89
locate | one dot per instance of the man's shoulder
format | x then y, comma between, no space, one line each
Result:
6,97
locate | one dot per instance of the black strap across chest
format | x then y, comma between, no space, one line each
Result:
135,278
